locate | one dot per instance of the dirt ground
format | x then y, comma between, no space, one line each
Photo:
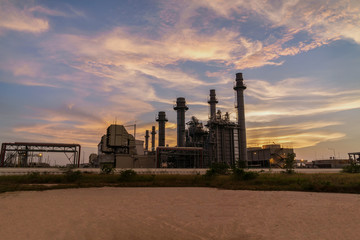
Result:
177,213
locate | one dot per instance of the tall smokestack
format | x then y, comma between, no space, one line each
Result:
212,101
162,121
239,88
153,132
180,108
147,140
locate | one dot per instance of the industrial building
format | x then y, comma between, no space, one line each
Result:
220,140
120,149
268,155
330,163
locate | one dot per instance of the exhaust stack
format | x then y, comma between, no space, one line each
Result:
180,108
147,140
212,101
162,121
239,88
153,133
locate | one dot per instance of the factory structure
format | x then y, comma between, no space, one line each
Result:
220,140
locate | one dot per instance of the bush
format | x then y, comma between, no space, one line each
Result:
107,169
72,176
33,176
352,168
217,169
127,175
289,163
241,174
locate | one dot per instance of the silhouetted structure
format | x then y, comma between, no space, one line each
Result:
222,140
239,88
147,140
179,157
120,149
19,152
212,101
267,155
180,108
162,121
153,133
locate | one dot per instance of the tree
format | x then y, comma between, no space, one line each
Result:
289,163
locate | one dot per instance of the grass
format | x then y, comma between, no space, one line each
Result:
320,182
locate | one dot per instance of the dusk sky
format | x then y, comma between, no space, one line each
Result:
68,69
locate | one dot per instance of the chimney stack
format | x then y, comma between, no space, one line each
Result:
239,88
153,132
162,121
180,108
212,101
147,140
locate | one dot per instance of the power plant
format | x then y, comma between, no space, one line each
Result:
220,140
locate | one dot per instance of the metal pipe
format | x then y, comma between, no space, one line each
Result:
212,101
153,133
162,121
180,108
239,88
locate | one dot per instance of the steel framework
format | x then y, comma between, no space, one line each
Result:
354,157
179,157
25,147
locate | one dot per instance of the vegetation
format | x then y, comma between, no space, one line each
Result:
238,178
107,169
127,175
289,163
241,174
352,168
217,169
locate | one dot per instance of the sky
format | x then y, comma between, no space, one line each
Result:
69,69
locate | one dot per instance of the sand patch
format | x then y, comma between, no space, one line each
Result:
177,213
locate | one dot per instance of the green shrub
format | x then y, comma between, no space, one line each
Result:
241,174
127,175
352,168
33,176
217,169
107,169
72,176
289,163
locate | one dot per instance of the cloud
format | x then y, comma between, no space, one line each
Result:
22,67
300,140
292,97
323,22
46,11
23,20
298,135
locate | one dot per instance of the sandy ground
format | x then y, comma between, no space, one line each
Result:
177,213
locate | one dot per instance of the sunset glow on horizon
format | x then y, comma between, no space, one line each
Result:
69,69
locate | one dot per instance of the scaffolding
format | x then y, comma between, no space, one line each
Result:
23,150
